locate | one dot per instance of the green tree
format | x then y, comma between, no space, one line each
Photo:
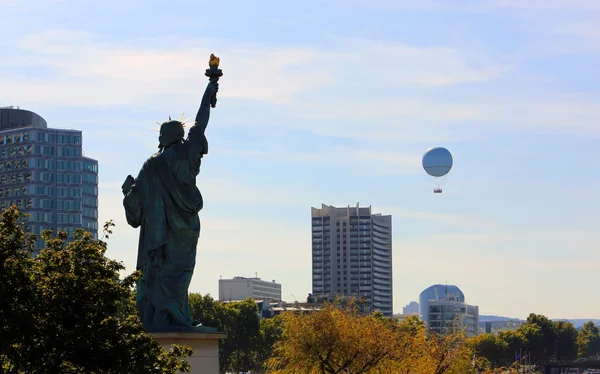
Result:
240,320
516,341
492,347
541,337
588,340
566,341
205,310
68,311
271,330
242,326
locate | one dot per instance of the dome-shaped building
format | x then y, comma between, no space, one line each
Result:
442,307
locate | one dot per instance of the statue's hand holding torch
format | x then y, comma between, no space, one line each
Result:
213,73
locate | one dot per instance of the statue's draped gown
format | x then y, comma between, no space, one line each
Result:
165,202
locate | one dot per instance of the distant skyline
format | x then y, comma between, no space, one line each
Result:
335,102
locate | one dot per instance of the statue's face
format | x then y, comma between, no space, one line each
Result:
170,132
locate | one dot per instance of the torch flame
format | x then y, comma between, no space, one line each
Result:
214,61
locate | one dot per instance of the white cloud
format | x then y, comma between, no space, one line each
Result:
89,71
302,86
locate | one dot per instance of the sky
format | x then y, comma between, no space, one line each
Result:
335,102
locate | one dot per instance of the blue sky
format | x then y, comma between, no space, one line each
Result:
334,102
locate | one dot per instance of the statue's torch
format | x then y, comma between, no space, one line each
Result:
213,74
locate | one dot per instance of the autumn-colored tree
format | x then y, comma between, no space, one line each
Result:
336,340
332,341
66,310
449,353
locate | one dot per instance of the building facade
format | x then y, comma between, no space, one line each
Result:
411,308
44,173
240,288
443,309
352,255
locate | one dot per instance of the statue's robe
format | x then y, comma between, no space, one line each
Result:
164,201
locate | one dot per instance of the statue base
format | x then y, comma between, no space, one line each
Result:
205,359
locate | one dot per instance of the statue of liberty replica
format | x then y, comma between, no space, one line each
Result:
164,202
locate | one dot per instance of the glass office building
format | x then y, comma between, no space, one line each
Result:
44,173
443,309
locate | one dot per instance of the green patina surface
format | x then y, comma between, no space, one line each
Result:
164,202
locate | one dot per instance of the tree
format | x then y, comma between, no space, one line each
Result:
241,323
516,341
240,320
493,347
566,341
449,353
331,341
68,311
588,340
542,343
335,340
271,330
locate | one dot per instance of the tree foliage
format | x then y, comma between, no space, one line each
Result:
544,339
249,340
66,310
588,341
334,340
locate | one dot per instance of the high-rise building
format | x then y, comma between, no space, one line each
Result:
44,173
240,288
352,255
443,309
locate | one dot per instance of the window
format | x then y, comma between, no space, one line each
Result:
93,167
44,177
90,201
68,205
92,178
88,212
68,178
69,152
69,139
90,189
68,191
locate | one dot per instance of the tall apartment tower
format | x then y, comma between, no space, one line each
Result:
44,173
352,255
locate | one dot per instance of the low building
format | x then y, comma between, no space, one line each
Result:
240,288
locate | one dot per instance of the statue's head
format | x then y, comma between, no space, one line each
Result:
171,132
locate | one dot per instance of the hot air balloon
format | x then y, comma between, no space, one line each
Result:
437,162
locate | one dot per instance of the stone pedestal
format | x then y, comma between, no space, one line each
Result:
205,359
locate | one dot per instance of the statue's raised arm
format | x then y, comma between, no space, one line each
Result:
196,135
